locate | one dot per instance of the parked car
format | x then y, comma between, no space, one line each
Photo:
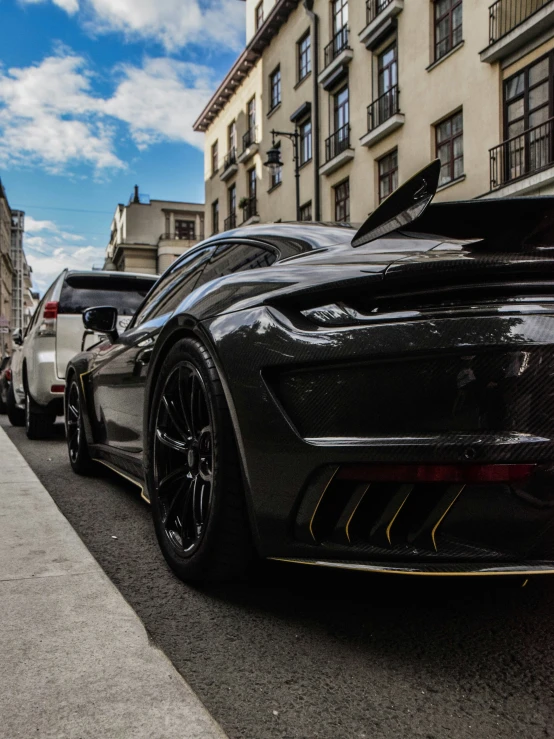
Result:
56,334
377,400
5,377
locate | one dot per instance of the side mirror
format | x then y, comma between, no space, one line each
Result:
17,337
103,320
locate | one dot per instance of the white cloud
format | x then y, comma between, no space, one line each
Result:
46,267
51,116
33,226
172,23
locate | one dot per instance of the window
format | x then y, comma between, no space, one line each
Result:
448,26
275,88
276,177
251,115
304,56
215,158
80,292
387,69
184,230
259,15
232,136
450,148
252,183
306,212
339,10
305,141
388,175
215,216
341,112
174,285
342,202
231,258
232,194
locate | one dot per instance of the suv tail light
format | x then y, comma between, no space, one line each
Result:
49,319
8,375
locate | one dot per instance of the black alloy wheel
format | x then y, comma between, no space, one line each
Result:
77,448
183,458
193,472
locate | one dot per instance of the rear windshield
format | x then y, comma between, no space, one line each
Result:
80,292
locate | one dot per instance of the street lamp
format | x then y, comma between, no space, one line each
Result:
274,160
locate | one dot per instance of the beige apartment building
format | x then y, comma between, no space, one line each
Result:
6,273
148,235
371,91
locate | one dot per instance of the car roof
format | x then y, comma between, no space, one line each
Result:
109,273
314,235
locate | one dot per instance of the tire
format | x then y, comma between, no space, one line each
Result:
77,447
3,407
199,512
16,415
38,424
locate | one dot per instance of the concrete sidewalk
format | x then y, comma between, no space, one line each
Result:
75,660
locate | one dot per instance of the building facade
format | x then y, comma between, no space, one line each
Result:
148,235
374,90
6,274
21,271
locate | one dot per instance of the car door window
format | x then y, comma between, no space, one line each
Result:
174,285
237,257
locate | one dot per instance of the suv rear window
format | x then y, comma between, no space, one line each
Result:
80,292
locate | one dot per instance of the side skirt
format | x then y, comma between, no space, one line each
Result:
125,465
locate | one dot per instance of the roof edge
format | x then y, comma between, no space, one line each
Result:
244,63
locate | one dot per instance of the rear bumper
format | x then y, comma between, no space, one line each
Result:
447,391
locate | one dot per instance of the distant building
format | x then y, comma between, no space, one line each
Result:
20,267
6,274
148,235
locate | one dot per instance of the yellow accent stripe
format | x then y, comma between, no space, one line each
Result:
82,383
319,501
353,512
436,526
122,474
525,583
370,569
393,519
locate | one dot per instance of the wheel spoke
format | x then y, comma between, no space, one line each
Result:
194,388
183,381
175,420
73,409
168,441
177,503
172,478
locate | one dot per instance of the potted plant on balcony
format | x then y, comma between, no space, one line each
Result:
243,202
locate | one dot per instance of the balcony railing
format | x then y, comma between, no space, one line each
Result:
173,236
250,209
505,15
230,222
383,108
337,143
374,7
249,139
230,159
522,155
339,43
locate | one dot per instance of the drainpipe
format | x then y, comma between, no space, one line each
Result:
308,6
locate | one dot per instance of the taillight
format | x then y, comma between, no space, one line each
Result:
8,374
51,310
48,323
414,473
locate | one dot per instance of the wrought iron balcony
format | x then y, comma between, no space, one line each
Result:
173,236
375,7
250,209
505,15
338,43
337,143
383,108
523,155
230,158
230,222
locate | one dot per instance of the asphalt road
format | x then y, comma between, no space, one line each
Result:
302,653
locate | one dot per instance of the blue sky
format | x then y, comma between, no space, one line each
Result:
97,96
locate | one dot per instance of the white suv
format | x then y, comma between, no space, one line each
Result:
56,333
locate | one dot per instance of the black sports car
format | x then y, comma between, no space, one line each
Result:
379,399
